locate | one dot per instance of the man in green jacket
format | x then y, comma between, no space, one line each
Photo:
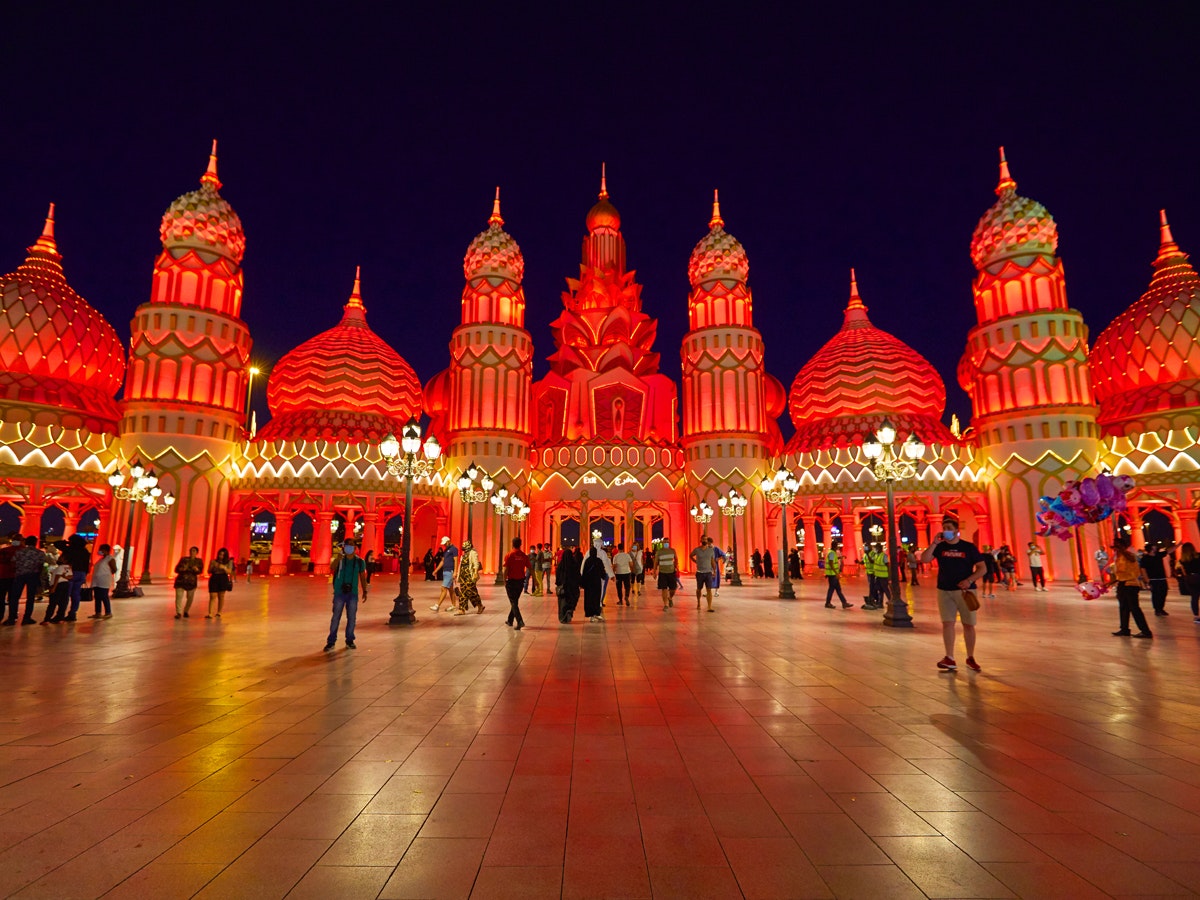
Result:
833,571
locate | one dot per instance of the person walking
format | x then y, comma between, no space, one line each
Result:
547,564
79,558
516,570
1036,572
566,580
992,575
591,579
637,575
881,568
348,577
1130,578
910,559
103,574
794,564
369,560
1152,561
535,569
28,564
8,572
446,569
665,563
833,575
868,565
249,568
960,565
187,576
1189,564
468,580
622,564
756,569
220,582
703,557
768,565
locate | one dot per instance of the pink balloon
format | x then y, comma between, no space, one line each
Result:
1089,492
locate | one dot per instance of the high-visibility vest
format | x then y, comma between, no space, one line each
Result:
879,565
833,563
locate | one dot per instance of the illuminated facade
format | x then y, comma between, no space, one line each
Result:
603,439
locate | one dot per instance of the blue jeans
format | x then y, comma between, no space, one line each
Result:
77,580
29,584
347,600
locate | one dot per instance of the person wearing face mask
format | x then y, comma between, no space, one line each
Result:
960,564
348,577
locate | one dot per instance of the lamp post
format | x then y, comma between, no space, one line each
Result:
732,507
154,508
701,514
511,506
469,494
782,488
253,372
408,459
890,465
142,481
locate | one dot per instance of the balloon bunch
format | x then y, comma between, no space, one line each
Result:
1093,590
1082,502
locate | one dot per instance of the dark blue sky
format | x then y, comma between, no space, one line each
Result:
366,136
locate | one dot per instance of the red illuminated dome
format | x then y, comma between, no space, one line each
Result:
56,350
345,384
1014,226
493,253
860,377
1147,362
718,255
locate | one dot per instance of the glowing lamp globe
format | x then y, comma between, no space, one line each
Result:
432,448
389,447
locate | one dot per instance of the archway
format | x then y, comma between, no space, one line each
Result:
393,530
906,525
54,521
568,530
1157,527
874,529
89,523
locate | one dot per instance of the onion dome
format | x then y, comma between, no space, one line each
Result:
1014,226
718,255
603,215
859,378
56,350
345,384
1148,359
202,220
493,253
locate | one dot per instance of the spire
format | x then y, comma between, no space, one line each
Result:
603,182
1006,180
856,310
45,241
210,174
716,221
1167,246
495,218
355,301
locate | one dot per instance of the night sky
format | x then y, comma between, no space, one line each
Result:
376,138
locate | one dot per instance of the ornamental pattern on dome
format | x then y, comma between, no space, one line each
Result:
203,220
861,376
1014,226
493,252
718,254
345,384
1147,360
56,349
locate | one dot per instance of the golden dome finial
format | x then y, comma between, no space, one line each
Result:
716,221
46,240
1006,180
355,301
855,299
495,218
603,182
210,174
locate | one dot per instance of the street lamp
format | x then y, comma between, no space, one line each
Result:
890,465
506,505
141,482
469,494
782,488
408,459
732,506
156,503
701,514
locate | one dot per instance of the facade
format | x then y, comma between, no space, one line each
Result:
603,440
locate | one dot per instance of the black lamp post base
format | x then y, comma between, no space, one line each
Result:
735,579
121,593
499,582
786,592
897,616
402,612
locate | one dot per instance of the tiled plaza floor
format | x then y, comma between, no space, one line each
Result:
769,749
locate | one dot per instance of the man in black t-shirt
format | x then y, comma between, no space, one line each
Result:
1156,574
960,564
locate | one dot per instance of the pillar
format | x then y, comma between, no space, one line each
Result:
370,533
585,522
281,544
320,550
31,519
850,539
71,521
235,525
810,542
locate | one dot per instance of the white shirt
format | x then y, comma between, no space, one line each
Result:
622,563
102,573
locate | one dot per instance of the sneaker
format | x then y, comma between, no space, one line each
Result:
946,664
1124,632
1197,620
351,645
1143,634
328,647
178,615
972,665
830,606
435,609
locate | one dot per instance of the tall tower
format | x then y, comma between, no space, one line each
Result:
185,391
729,401
481,404
1026,369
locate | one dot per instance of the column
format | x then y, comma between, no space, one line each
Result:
235,525
281,544
585,523
70,520
31,519
319,551
647,529
370,533
810,543
850,529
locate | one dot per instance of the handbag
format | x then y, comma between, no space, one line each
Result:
971,599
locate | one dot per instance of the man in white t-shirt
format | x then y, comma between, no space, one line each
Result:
703,556
622,564
1035,567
